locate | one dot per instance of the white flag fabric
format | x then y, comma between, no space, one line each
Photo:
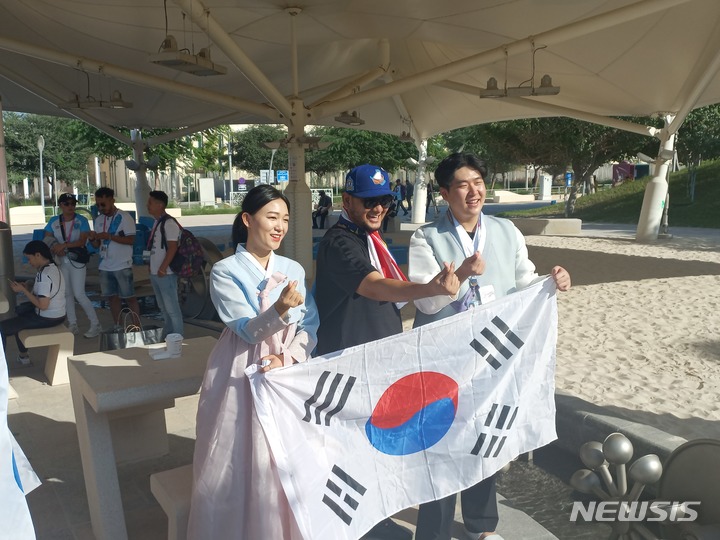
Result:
361,434
16,475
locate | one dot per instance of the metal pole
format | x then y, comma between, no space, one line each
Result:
41,147
656,190
230,165
7,261
4,186
421,192
272,157
55,190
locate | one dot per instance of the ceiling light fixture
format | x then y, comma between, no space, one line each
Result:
546,87
196,64
115,102
351,119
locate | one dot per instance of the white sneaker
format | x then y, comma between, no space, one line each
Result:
74,328
23,361
95,331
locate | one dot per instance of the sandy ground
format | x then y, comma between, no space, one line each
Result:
639,332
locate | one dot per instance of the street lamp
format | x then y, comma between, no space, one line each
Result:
272,158
41,147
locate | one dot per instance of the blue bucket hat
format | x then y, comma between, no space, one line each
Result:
366,181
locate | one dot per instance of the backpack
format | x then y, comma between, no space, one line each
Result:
190,257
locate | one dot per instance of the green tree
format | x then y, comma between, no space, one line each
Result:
553,144
249,153
699,136
352,147
63,152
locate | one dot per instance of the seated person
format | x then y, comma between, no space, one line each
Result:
322,208
46,297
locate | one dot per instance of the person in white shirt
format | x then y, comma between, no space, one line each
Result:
492,261
71,230
46,295
163,245
114,236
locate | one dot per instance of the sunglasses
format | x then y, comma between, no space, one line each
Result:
385,201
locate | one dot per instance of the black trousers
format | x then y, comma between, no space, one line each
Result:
322,217
26,321
479,511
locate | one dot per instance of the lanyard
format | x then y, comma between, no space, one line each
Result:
63,230
151,239
105,220
469,246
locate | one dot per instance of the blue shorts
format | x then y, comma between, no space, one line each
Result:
117,283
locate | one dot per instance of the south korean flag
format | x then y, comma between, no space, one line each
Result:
363,433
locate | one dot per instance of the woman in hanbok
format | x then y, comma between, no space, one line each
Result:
270,320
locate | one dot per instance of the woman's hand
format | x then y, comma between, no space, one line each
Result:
289,298
17,287
274,362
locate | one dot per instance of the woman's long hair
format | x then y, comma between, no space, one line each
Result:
256,198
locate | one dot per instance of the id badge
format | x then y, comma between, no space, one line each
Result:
487,294
103,250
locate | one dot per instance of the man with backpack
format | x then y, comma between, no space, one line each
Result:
163,245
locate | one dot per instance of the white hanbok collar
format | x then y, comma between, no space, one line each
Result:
264,272
470,246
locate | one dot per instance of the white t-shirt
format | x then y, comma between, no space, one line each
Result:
157,252
72,229
113,255
49,283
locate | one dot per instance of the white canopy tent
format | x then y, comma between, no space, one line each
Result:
414,66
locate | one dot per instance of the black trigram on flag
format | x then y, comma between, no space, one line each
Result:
492,444
337,393
342,494
495,339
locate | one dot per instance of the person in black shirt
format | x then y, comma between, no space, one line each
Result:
358,282
322,209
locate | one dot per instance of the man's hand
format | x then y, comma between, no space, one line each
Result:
58,249
289,298
446,282
561,278
474,265
102,236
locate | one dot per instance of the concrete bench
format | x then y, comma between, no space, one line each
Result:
60,343
173,489
549,226
27,215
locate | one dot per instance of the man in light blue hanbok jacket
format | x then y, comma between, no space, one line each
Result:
492,261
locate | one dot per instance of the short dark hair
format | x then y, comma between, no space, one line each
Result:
160,196
255,199
38,246
105,192
445,171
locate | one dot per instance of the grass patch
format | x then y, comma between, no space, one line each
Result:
623,203
207,210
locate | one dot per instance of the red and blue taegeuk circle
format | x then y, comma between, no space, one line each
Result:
413,414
